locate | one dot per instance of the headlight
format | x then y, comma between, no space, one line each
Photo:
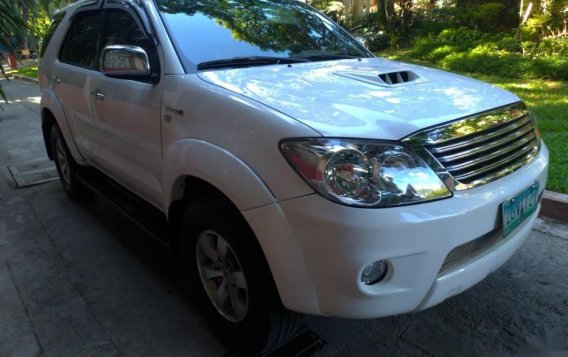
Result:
364,173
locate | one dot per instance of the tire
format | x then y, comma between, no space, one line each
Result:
66,166
235,288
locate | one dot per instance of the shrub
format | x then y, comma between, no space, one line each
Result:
468,50
487,17
506,41
460,34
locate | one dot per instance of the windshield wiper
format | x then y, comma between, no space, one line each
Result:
328,57
248,61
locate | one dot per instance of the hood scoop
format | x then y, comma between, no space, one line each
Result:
385,79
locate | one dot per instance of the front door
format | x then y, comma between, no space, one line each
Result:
128,113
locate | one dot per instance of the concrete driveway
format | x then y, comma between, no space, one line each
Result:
81,280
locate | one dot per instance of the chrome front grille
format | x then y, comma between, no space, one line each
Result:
479,149
466,252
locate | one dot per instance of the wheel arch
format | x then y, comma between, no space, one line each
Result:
189,189
217,172
52,113
193,161
193,168
47,121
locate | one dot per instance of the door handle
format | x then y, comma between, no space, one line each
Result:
98,95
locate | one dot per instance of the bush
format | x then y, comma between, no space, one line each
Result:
469,50
506,41
487,17
460,35
547,47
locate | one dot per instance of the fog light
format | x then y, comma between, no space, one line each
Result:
374,272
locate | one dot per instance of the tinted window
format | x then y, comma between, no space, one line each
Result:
206,30
122,29
52,27
80,45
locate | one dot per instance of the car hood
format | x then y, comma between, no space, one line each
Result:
347,98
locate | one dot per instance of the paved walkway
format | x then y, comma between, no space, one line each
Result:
79,280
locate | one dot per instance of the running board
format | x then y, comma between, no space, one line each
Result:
133,207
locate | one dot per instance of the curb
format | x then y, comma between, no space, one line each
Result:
555,206
24,78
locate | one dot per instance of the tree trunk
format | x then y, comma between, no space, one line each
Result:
523,17
12,61
390,14
355,8
23,40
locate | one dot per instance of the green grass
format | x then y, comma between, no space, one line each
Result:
548,101
30,71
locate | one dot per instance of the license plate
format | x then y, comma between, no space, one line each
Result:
518,208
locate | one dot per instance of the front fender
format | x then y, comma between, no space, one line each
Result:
49,101
216,166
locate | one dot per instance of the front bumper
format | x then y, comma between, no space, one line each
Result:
317,249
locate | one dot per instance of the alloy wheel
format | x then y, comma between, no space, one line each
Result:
222,276
63,160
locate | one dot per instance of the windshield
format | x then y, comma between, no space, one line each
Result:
213,30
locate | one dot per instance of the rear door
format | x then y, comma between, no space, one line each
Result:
75,70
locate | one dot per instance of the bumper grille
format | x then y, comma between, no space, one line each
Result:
466,252
479,149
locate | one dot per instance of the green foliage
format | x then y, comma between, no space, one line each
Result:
460,34
487,16
11,25
370,28
547,47
470,50
490,17
26,71
332,8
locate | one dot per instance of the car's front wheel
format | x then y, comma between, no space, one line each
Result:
227,267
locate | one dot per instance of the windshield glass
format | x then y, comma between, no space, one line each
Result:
213,30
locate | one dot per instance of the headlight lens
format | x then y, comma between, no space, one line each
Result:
364,173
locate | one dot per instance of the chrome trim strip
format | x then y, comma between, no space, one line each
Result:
468,126
463,141
471,250
519,135
508,131
486,158
527,150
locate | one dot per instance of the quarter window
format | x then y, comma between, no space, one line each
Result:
80,45
52,27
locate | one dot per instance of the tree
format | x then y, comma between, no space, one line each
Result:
20,19
11,25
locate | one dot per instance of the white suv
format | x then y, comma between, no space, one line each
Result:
291,170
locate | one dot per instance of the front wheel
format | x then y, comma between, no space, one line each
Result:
226,266
66,166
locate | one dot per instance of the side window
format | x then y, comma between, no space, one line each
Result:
80,45
52,27
123,29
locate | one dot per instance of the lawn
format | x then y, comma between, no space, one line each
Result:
548,101
30,71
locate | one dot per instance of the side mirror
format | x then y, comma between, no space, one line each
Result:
125,61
